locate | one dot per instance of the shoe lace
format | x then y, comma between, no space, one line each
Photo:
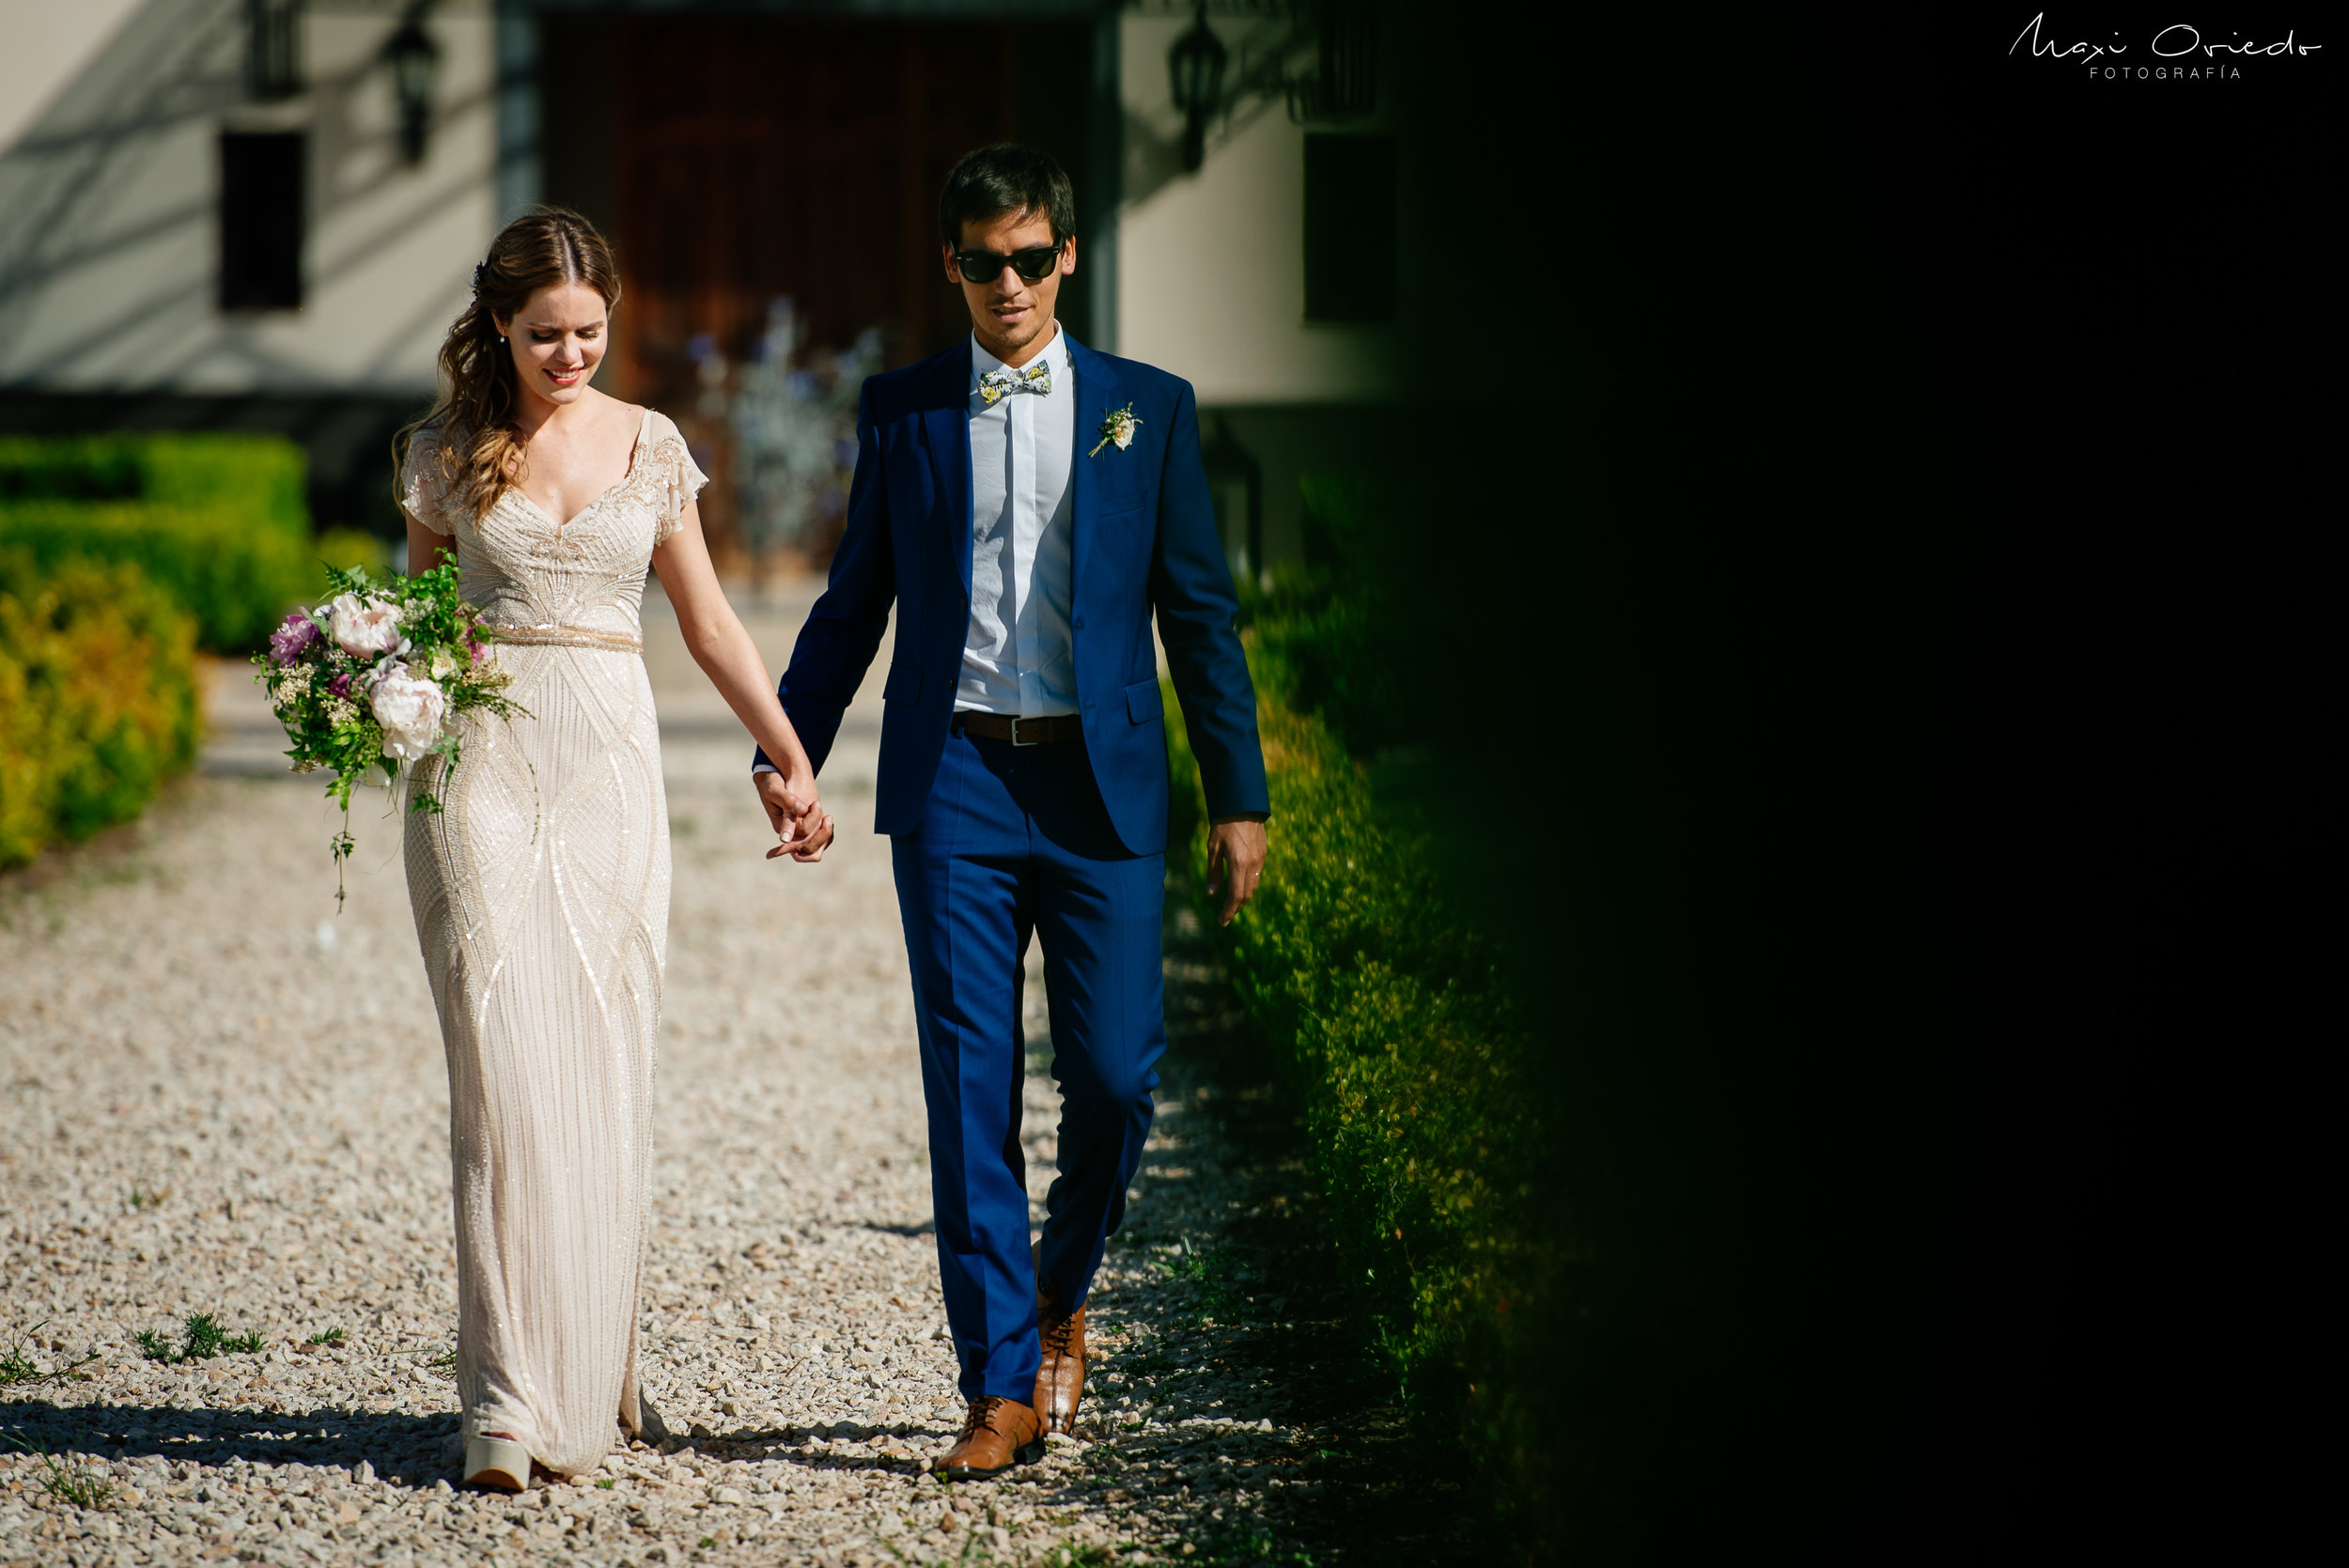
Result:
1058,1330
982,1415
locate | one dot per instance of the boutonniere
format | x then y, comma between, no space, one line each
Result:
1118,429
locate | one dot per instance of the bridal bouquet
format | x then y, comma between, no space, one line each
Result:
375,677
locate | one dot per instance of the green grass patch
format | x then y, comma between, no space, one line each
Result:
69,1479
330,1337
1237,1545
202,1338
20,1369
1207,1273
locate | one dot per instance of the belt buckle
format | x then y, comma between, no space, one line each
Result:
1015,733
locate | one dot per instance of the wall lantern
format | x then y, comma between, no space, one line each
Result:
415,64
1196,65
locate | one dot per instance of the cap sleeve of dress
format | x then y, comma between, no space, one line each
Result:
678,478
423,488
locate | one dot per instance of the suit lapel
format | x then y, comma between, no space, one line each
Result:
1095,393
946,432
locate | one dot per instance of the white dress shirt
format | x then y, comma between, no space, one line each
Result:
1015,657
1023,450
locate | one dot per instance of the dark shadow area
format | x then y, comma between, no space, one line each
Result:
1864,654
2137,661
407,1450
1248,1292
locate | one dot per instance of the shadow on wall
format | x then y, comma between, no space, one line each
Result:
71,185
1261,58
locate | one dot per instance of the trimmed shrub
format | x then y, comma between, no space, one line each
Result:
98,698
235,576
345,547
1406,1051
261,477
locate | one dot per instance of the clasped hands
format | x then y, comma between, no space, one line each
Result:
803,830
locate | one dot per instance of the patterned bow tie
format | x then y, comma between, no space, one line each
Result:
1037,378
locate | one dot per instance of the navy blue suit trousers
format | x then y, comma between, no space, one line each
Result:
1013,841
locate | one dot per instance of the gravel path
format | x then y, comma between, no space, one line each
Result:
217,1097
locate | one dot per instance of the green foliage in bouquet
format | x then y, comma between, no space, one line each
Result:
98,698
374,679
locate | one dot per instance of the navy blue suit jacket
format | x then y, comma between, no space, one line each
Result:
1144,540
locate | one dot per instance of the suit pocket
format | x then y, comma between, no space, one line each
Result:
903,684
1144,705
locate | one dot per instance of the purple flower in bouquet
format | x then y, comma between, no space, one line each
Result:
340,684
290,641
480,650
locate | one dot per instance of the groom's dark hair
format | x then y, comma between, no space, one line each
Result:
1005,178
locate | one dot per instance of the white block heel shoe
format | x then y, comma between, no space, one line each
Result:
498,1462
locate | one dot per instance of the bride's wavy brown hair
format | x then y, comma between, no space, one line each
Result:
474,419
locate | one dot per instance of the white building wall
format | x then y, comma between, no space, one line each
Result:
1211,266
109,261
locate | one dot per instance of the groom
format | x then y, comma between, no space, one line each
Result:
1029,504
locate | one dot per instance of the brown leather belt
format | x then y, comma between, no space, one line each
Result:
1020,732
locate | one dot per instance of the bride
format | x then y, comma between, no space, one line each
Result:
542,886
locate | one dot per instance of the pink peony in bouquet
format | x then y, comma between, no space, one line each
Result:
375,677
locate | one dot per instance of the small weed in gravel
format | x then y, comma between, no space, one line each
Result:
331,1339
1243,1548
71,1479
1206,1271
18,1370
1083,1556
141,1198
204,1339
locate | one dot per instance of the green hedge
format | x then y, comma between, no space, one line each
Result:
263,478
236,578
219,521
98,698
1409,1059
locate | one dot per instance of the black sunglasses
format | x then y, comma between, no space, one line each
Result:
1032,266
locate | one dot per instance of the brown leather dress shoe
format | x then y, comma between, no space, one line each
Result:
1059,1377
996,1434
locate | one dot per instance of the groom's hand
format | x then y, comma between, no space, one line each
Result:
803,829
1235,862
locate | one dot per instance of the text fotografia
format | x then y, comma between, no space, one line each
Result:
2178,53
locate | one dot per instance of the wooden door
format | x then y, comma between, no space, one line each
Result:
757,158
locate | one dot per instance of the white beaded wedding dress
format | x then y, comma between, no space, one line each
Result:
542,897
